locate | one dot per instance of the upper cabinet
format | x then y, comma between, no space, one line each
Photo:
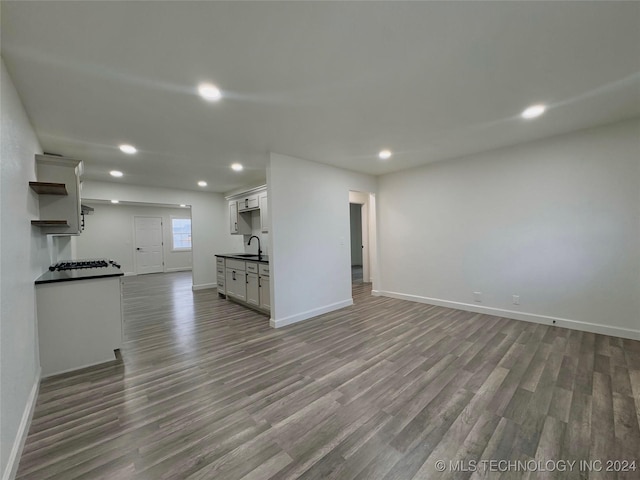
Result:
239,224
264,212
247,203
241,208
58,188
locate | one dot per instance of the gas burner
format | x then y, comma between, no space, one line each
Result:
76,265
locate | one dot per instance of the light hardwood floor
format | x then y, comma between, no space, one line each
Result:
379,390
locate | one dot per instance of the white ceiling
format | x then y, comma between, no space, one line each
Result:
333,82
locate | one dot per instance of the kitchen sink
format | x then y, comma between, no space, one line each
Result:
245,255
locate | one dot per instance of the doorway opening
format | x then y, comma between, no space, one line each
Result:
355,221
362,237
143,238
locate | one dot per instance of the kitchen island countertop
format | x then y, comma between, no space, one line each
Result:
79,274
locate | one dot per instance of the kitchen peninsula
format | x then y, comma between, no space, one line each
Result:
79,314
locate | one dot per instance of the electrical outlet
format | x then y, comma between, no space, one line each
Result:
516,299
477,296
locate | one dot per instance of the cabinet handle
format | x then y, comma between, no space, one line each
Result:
246,203
259,282
246,278
233,275
236,227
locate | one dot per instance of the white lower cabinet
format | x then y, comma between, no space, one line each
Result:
236,285
253,290
245,282
220,276
79,323
264,285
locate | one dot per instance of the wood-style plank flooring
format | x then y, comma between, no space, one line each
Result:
379,390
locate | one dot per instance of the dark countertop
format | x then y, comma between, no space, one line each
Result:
245,256
79,274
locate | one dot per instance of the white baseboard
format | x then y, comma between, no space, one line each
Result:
203,286
23,429
299,317
80,367
527,317
178,269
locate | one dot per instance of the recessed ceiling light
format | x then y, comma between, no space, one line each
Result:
182,205
130,149
115,201
533,111
384,154
202,183
116,173
237,167
209,92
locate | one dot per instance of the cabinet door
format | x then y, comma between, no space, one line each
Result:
221,276
248,203
240,287
264,213
253,292
264,285
233,217
230,283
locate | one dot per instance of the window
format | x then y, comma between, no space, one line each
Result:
181,233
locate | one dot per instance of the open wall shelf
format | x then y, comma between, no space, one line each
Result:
48,188
50,223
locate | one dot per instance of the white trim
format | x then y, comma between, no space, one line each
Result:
235,194
130,274
23,429
299,317
527,317
173,248
178,269
80,367
203,286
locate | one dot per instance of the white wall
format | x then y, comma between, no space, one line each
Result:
556,222
209,220
24,256
109,233
256,229
309,254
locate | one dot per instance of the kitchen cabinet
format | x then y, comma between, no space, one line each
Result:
248,202
245,282
58,189
79,322
253,292
241,211
235,284
264,212
235,279
264,285
220,276
239,224
253,289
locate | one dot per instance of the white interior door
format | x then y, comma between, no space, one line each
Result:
149,251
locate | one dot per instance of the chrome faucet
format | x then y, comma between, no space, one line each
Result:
259,249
